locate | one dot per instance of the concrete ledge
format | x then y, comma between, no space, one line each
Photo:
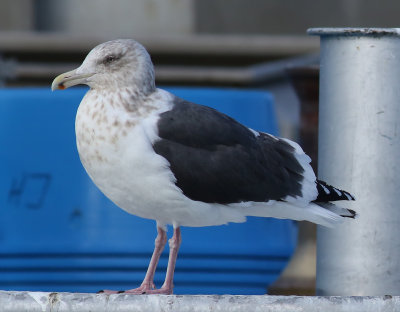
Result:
44,302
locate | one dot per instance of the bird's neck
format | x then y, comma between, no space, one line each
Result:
128,99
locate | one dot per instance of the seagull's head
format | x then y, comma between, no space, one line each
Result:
122,63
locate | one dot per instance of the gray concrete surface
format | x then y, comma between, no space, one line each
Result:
43,302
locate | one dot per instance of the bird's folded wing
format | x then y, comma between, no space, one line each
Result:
217,160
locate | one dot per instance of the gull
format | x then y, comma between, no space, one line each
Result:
160,157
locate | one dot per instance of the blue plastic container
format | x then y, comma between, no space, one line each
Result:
59,233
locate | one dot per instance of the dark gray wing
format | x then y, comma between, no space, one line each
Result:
215,159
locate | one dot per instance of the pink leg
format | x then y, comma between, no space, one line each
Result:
167,287
148,282
174,244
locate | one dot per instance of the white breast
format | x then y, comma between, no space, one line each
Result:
115,148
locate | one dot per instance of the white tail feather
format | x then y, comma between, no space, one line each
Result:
284,210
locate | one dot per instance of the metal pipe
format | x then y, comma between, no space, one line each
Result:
223,75
359,150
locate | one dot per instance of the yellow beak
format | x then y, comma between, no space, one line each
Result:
69,79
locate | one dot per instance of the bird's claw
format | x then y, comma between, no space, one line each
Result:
108,292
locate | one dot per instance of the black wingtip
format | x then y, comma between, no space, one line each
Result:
327,193
352,215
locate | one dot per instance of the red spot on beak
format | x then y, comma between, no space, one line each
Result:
61,86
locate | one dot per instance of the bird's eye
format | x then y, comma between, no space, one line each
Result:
109,59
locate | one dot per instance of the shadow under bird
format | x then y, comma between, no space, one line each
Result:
160,157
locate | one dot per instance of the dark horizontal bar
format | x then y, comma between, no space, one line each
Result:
110,283
142,255
136,269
